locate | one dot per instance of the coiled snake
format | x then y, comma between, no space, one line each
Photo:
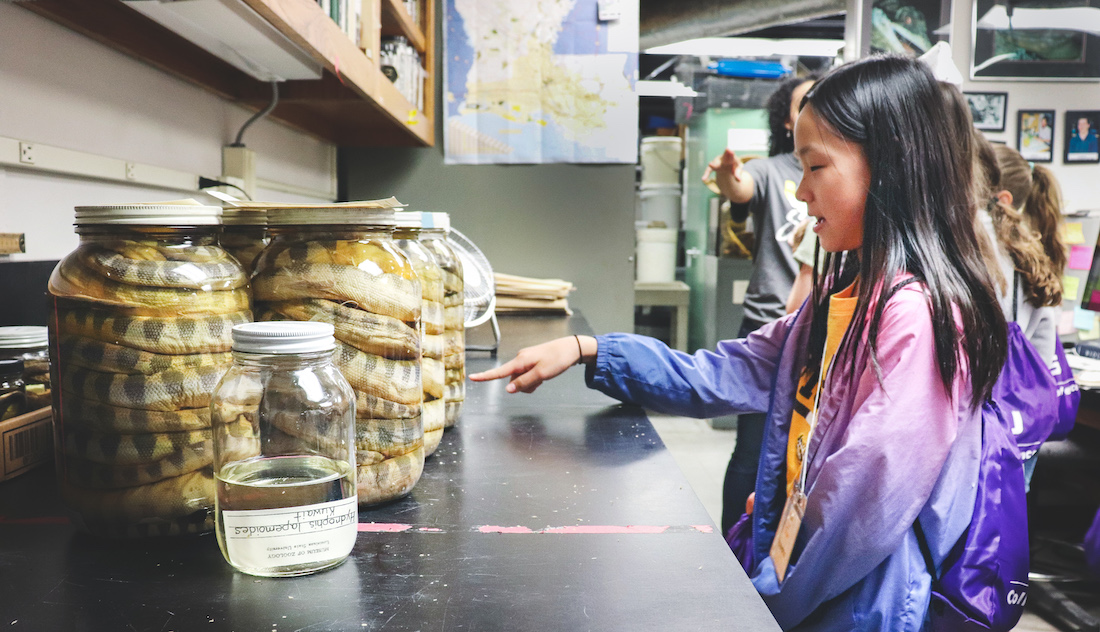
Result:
141,332
372,297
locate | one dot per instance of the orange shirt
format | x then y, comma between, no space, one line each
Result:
842,307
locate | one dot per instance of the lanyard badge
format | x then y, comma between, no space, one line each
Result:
795,509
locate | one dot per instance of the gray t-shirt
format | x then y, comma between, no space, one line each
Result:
775,216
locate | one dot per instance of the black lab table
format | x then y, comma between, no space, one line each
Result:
560,510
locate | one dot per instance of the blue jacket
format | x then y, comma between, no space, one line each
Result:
886,450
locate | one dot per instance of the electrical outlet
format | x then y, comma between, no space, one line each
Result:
130,175
26,153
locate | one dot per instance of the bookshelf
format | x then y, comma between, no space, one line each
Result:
352,104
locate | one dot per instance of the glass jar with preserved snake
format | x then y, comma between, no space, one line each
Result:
339,265
434,236
432,371
141,314
244,233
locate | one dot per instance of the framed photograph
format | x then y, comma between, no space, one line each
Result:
988,110
1040,40
908,28
1081,135
1035,135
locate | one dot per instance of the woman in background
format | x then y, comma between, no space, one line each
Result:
764,188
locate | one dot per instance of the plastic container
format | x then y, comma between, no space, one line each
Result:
434,236
244,234
660,158
284,452
139,336
31,345
656,255
433,372
340,265
660,203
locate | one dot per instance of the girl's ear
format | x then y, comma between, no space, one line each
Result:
1004,197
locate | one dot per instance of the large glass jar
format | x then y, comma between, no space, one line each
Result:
339,265
141,314
433,372
31,345
244,233
434,236
284,452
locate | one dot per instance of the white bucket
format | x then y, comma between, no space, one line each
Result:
656,255
659,203
661,159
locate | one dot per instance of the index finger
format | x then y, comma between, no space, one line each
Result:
707,172
505,370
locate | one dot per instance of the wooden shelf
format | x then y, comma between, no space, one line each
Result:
353,104
397,21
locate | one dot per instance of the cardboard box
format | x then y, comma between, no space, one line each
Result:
26,441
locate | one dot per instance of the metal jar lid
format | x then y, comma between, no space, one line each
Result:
244,216
408,219
149,215
283,337
24,337
438,221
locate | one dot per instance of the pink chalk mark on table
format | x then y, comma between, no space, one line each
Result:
383,527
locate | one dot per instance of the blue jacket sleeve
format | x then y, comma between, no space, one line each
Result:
737,377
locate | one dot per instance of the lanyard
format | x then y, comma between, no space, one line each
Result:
814,413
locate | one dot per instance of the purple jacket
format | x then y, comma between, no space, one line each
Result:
883,453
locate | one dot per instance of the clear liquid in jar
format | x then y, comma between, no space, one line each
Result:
286,515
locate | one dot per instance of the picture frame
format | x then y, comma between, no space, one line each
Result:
1082,131
988,110
910,28
1044,40
1035,134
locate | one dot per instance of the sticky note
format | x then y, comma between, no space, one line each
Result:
1089,335
1084,319
1080,257
1072,233
1071,288
1065,324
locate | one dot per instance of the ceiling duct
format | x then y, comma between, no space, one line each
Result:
669,21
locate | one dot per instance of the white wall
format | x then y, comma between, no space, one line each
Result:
62,89
1080,182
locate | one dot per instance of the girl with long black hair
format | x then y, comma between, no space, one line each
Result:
873,390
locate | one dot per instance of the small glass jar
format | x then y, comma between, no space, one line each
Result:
31,345
141,314
244,234
284,452
433,372
339,265
13,400
434,236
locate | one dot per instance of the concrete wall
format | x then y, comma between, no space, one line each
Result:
549,221
1080,184
65,90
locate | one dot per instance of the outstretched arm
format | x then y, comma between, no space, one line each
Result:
534,365
733,181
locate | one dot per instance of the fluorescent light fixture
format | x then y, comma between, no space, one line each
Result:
646,88
234,32
736,47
